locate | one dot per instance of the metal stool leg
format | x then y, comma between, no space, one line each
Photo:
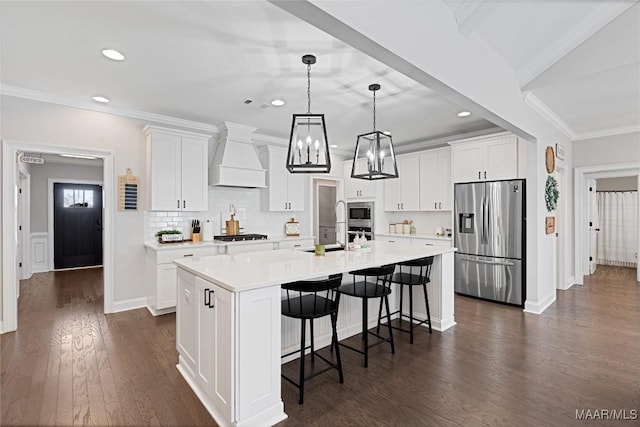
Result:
411,314
302,338
334,322
365,330
401,298
386,302
313,353
379,316
426,301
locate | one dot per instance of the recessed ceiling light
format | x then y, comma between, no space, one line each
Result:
333,146
101,99
113,54
464,114
78,156
277,102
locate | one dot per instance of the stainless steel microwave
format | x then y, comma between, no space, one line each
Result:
360,211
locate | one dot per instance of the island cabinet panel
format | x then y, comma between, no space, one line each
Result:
187,320
215,324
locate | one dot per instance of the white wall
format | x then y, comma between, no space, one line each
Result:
38,122
626,183
40,175
607,150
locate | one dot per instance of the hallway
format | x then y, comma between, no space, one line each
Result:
69,364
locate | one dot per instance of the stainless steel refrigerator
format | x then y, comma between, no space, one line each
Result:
490,238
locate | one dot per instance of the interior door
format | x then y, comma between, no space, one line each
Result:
594,226
77,225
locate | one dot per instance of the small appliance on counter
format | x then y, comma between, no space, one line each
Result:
292,228
207,231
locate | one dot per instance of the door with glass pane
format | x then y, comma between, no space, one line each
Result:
77,225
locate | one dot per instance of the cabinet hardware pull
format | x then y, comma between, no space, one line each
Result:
398,206
211,304
439,205
402,205
485,174
435,205
178,204
206,300
184,204
479,176
187,255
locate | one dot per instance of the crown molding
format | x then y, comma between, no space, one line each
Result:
36,95
541,108
440,142
595,21
608,132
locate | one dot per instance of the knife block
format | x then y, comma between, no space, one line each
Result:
196,237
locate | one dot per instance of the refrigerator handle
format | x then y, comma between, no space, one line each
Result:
487,214
482,217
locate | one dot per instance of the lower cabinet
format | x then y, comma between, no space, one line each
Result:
219,332
292,244
161,275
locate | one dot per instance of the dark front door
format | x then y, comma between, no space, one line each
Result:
77,225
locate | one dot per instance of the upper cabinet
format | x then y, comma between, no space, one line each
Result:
487,159
403,193
176,170
285,190
436,187
357,188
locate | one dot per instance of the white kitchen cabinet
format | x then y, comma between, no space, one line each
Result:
486,159
430,242
254,246
177,170
161,275
187,320
293,244
436,186
214,328
357,188
400,238
285,191
403,193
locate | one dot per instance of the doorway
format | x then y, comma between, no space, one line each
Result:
325,197
10,272
77,225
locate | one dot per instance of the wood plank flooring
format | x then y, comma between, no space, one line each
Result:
69,364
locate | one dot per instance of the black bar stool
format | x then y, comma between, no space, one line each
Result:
406,276
376,284
313,299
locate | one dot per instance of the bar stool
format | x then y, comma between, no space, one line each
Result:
406,277
376,284
310,300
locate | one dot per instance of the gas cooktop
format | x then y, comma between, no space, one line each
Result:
240,237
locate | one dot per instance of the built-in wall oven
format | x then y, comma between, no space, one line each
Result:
360,219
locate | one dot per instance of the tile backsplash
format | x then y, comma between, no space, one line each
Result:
247,202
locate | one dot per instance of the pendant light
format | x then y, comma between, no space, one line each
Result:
308,145
374,157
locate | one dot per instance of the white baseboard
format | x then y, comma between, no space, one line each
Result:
129,304
155,312
538,308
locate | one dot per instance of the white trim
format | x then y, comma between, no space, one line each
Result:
129,304
594,22
608,132
34,239
50,183
538,308
547,113
581,174
36,95
442,142
9,274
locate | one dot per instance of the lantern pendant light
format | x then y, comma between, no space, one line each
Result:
308,145
374,157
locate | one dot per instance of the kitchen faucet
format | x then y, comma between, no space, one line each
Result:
344,223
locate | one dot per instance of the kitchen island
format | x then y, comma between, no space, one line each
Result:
230,334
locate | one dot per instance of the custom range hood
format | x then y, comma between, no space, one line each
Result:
236,163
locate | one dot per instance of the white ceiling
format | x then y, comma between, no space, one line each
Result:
199,60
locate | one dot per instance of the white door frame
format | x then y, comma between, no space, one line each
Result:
9,229
562,281
25,177
50,183
580,209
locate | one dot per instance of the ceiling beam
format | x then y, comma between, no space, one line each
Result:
470,14
603,14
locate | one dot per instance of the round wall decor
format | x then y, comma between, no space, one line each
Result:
550,159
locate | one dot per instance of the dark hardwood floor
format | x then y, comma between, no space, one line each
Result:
70,364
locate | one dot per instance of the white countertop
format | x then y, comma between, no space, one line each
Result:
153,244
417,236
242,272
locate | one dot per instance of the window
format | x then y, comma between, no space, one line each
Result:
78,198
